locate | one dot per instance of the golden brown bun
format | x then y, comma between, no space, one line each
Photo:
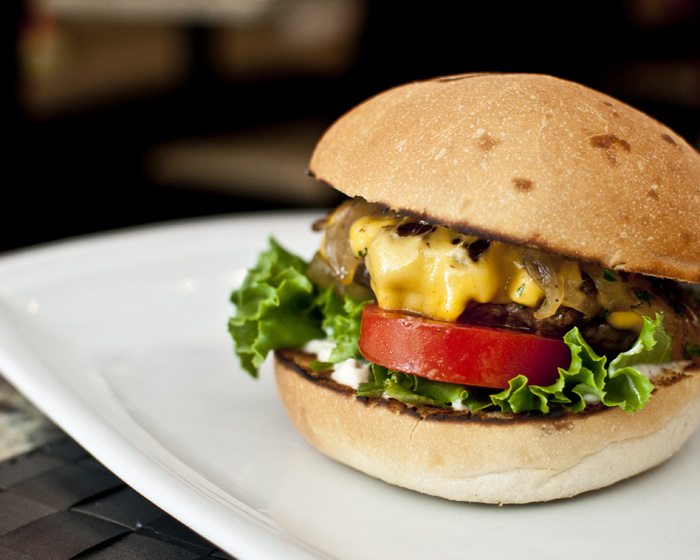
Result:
530,159
501,459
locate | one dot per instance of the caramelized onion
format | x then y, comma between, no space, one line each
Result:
336,244
545,271
613,293
322,275
562,283
574,294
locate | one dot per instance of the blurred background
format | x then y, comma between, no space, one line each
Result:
126,112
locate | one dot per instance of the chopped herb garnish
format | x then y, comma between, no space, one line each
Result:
609,275
519,291
363,253
692,350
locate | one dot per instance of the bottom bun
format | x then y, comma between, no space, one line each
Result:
491,458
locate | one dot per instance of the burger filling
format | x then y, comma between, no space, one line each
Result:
434,308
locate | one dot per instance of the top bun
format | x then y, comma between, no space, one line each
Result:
529,159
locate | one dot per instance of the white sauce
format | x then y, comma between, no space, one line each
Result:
322,348
350,372
654,371
457,405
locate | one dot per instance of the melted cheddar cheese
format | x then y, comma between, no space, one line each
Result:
433,273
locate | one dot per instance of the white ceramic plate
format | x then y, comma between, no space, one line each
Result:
122,340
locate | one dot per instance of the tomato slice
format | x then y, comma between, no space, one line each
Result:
458,352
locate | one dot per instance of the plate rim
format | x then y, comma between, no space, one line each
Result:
36,382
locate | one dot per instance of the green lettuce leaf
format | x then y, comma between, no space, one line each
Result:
415,390
626,387
275,308
519,397
587,379
341,323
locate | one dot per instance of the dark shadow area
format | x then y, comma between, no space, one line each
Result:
85,166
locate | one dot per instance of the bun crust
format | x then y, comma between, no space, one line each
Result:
498,459
529,159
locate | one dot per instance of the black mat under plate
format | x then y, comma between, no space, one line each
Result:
58,503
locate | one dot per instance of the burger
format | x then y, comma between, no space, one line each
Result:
504,308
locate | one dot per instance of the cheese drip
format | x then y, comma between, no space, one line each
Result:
433,273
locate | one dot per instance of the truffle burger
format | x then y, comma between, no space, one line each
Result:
503,311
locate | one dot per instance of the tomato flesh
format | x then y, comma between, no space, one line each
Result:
458,352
